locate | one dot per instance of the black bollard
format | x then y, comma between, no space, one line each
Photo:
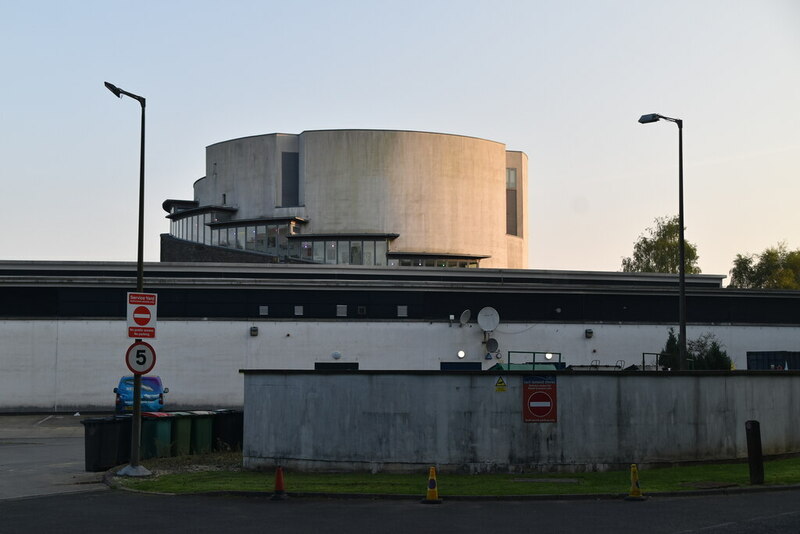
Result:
754,456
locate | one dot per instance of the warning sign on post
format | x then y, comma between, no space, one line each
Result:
142,315
539,400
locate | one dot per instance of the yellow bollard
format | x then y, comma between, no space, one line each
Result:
636,491
432,495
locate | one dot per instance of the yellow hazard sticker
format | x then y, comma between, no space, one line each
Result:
500,385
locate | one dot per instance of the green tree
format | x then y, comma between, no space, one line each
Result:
657,250
775,268
705,354
669,354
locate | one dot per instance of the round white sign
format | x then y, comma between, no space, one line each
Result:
140,358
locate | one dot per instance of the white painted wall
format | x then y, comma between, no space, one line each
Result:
62,365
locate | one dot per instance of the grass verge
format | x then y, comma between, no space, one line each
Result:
222,472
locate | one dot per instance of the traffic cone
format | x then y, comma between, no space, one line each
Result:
432,495
279,494
636,492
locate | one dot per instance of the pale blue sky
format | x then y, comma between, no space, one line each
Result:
563,81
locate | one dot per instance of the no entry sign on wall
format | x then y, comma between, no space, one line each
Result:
539,399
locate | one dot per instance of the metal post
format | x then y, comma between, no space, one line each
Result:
136,428
682,254
647,119
755,458
134,468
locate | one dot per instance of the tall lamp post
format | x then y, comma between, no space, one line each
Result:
134,468
655,117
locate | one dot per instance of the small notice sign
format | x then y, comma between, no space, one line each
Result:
500,385
539,399
142,315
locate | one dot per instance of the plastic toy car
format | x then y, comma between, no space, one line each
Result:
152,394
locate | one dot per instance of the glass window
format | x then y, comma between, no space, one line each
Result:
430,263
330,252
402,311
511,178
380,253
261,238
394,263
206,229
298,310
344,253
250,238
283,240
215,237
293,250
196,235
356,258
307,251
272,239
369,252
441,263
241,234
232,237
341,310
319,251
405,263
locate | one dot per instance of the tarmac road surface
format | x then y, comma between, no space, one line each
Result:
44,488
43,455
125,512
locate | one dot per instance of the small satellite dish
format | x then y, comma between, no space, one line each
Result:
488,319
465,315
492,345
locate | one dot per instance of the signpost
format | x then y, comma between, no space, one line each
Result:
539,399
140,359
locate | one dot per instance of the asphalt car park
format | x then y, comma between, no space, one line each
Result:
43,455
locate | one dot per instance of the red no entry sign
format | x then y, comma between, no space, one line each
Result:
142,315
539,401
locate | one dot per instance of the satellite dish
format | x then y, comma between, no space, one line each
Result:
488,319
492,345
465,315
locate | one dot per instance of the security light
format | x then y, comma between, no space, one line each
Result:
114,89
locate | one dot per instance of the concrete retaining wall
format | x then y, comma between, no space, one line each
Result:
462,421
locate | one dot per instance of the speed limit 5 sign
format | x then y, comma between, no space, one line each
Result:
140,358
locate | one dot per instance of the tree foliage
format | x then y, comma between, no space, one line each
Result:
657,250
775,268
704,354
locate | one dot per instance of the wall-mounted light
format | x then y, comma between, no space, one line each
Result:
548,355
462,355
254,331
588,333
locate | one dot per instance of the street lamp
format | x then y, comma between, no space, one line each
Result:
655,117
134,468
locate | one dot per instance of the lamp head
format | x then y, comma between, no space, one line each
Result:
650,117
114,89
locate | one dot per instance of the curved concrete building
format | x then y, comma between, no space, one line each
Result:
357,197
